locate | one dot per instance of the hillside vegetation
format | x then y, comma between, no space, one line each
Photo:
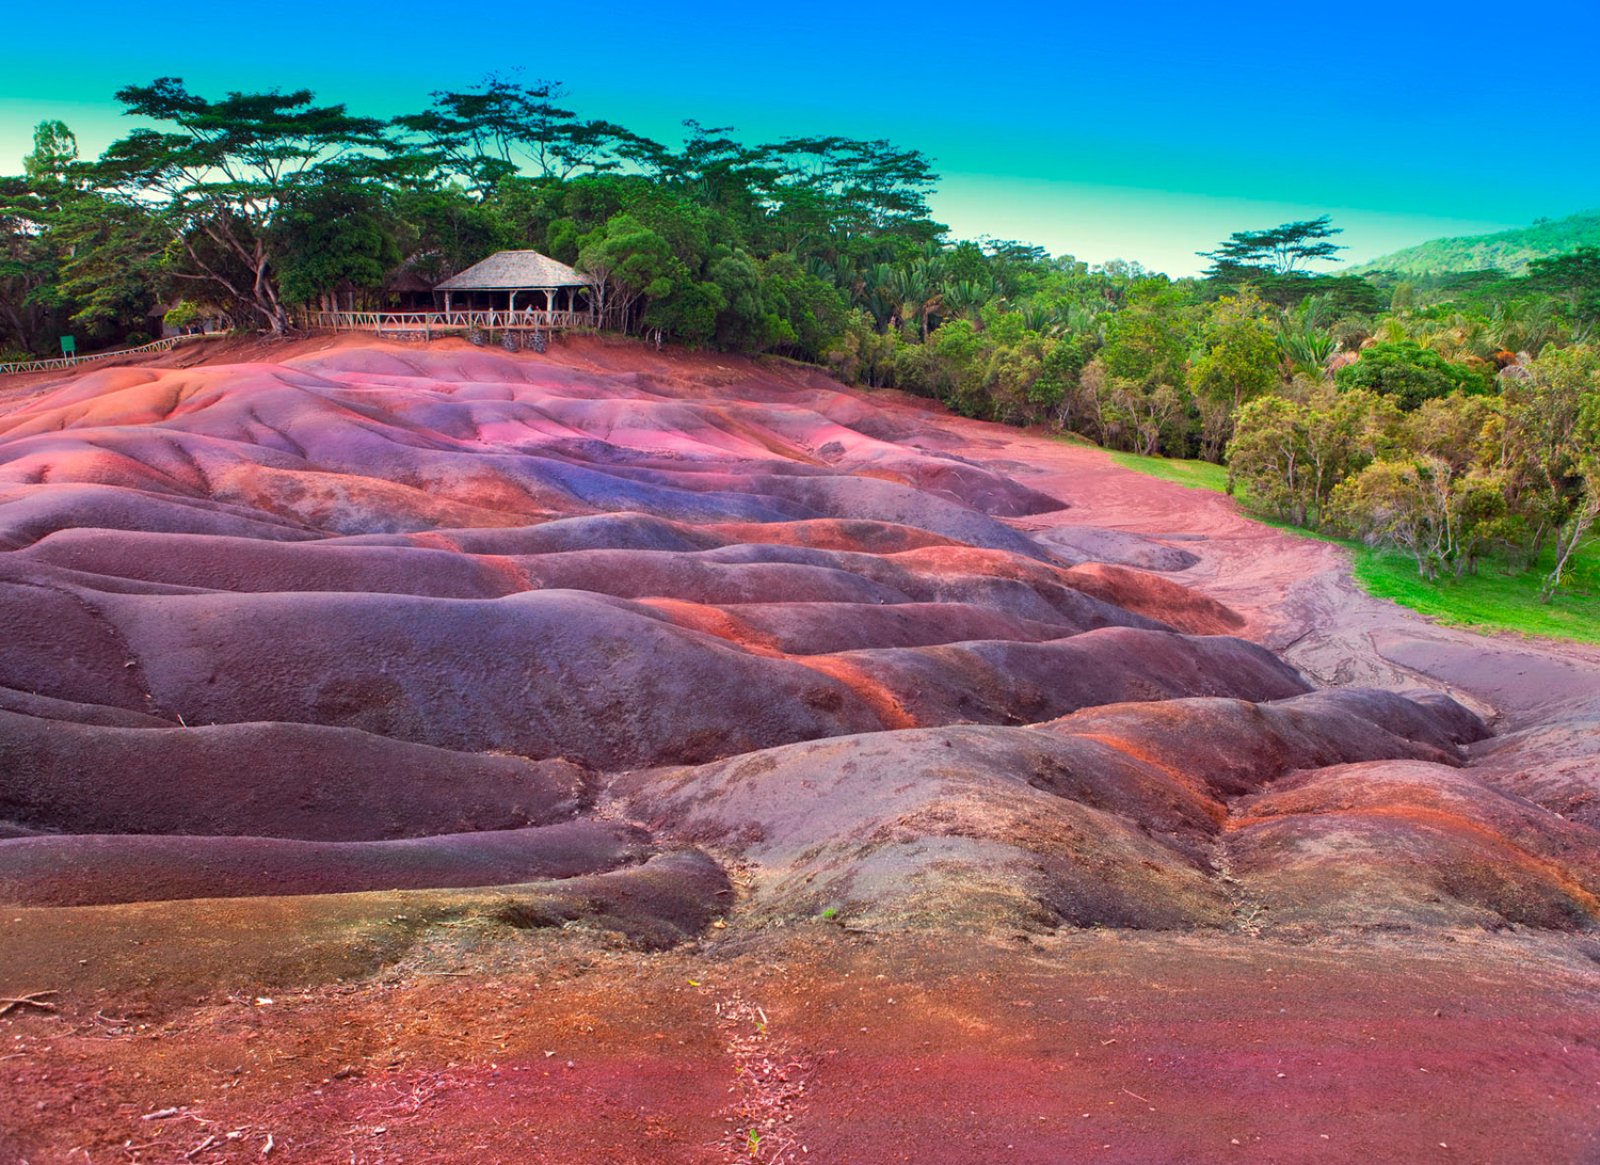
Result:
1499,597
1509,251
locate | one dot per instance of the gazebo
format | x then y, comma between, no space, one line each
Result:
496,283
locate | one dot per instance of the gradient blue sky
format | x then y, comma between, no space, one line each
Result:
1109,130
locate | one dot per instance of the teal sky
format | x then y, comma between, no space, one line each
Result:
1112,130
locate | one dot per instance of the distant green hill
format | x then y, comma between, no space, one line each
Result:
1507,250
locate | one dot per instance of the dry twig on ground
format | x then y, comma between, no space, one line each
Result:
31,999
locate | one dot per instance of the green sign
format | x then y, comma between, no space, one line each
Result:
69,346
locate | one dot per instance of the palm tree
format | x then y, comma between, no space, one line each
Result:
1083,318
1460,337
1306,349
1316,311
1525,326
1045,318
964,298
879,295
1392,330
1349,332
916,288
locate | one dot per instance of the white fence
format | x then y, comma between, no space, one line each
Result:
73,361
429,322
425,323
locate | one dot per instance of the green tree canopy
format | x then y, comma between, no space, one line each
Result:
1238,361
1575,277
1409,374
334,234
218,180
500,128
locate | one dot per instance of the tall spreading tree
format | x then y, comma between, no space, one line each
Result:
871,186
1279,250
219,181
501,129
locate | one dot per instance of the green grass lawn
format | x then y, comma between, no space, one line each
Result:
1194,474
1493,599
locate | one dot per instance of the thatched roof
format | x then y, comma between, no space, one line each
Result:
514,271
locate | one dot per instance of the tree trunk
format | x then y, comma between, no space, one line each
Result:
265,295
1582,522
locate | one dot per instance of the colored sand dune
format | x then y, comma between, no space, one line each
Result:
574,680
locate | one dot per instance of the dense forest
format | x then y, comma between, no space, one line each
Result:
1454,416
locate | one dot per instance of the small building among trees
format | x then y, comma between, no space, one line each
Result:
513,281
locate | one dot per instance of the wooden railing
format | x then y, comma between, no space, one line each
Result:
428,322
160,345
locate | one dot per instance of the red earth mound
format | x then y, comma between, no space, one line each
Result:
267,780
1125,816
92,869
1407,844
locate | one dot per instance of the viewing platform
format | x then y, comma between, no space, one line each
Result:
483,301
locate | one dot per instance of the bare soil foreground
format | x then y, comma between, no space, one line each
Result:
428,754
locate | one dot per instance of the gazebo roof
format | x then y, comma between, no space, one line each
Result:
514,271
